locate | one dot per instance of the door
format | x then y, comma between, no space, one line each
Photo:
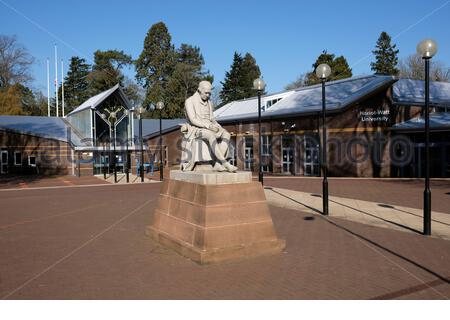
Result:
288,160
311,164
4,162
248,158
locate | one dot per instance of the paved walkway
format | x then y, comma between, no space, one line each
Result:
402,192
89,243
372,213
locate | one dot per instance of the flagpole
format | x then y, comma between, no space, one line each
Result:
56,81
48,87
62,86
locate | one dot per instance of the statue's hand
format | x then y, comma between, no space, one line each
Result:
214,128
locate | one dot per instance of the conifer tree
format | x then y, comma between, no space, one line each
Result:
106,71
339,68
184,80
155,64
238,82
385,56
76,83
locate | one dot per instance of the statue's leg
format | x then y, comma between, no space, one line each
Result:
225,142
214,144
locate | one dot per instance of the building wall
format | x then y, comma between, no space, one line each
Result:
52,156
359,139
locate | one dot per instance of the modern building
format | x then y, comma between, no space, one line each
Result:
82,143
375,128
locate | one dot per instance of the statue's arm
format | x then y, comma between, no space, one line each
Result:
193,119
211,115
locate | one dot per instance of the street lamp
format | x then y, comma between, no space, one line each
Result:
427,49
113,116
160,106
141,111
127,171
103,116
259,85
323,71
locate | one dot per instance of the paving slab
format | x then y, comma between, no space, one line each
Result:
373,213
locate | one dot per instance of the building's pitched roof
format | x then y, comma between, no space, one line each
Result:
339,94
46,127
412,92
248,106
94,101
438,120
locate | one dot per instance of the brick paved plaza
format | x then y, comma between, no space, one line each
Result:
60,241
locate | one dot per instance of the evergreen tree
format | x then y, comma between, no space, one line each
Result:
238,82
184,80
249,72
155,63
106,71
385,56
230,85
76,84
339,68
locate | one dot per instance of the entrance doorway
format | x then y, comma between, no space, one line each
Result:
311,165
248,153
287,154
4,162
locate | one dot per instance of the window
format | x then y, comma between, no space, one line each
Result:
270,103
32,161
266,143
17,158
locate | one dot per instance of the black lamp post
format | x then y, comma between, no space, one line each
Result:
259,85
141,111
104,161
127,169
427,49
160,106
323,71
103,116
113,126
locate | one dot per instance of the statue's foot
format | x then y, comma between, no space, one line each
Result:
219,167
229,167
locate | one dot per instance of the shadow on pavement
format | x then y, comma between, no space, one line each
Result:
383,205
441,278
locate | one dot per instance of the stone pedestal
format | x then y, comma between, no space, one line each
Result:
211,217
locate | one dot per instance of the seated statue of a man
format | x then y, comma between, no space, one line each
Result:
201,125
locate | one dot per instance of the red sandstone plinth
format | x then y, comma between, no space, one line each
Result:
215,220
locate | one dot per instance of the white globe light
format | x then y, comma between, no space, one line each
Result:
159,105
323,71
259,84
103,116
427,48
141,110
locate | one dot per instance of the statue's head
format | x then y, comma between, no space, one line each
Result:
204,89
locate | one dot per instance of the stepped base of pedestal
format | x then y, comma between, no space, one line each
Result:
214,222
214,255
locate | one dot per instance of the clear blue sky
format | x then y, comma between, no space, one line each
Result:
285,37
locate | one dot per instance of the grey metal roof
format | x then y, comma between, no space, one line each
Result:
412,92
46,127
150,127
339,94
246,106
437,120
94,101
